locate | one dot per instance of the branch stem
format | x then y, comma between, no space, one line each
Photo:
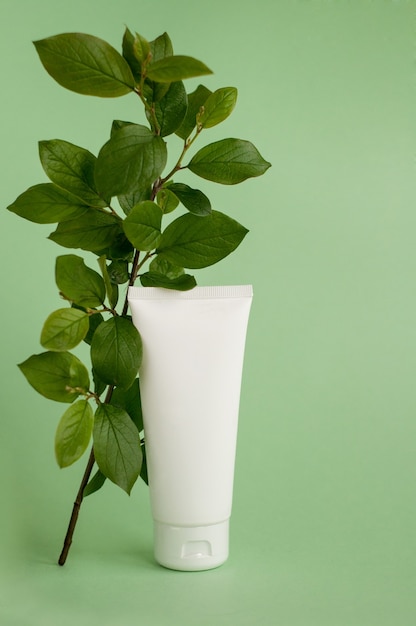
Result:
91,460
76,508
136,265
187,144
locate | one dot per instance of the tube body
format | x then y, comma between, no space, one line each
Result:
190,380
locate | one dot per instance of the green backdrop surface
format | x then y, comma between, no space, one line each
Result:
323,526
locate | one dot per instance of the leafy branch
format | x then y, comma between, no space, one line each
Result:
85,198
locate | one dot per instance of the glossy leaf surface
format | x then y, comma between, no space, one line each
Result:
85,64
116,352
110,288
72,168
193,199
130,161
196,242
73,433
95,484
196,100
217,107
56,375
117,446
163,266
171,109
77,282
95,321
130,55
47,204
93,231
142,225
130,400
176,67
118,272
167,200
161,47
156,279
64,329
228,161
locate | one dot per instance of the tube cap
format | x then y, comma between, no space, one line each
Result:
191,548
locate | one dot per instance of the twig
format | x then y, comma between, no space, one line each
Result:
76,508
91,460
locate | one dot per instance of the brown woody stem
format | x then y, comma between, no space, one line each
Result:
76,508
91,460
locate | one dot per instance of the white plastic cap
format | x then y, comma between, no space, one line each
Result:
191,548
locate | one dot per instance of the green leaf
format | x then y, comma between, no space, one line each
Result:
171,109
118,124
116,352
130,161
96,482
176,67
141,47
111,288
46,204
85,64
72,168
196,100
163,266
56,375
128,201
117,446
73,433
136,49
155,279
142,225
118,272
217,107
95,321
143,471
163,273
167,200
120,249
129,54
196,242
94,231
129,400
161,47
153,92
228,161
64,329
77,282
194,200
99,385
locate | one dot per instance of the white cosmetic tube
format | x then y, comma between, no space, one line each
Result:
190,380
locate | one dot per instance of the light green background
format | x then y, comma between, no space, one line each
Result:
323,526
